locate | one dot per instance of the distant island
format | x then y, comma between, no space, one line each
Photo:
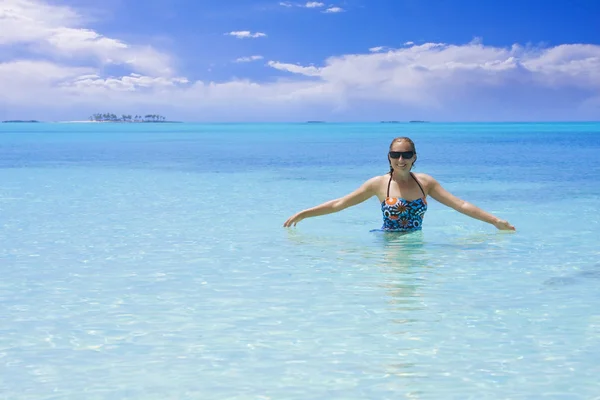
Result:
109,117
315,122
398,122
12,121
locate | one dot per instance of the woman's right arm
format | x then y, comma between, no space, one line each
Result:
364,192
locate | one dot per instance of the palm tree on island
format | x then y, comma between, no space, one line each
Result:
109,117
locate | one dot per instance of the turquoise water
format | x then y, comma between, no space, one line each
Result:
150,262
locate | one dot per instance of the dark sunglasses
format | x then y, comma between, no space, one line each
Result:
405,154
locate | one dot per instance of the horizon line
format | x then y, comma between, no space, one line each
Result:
312,122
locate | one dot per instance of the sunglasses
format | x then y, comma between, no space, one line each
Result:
405,154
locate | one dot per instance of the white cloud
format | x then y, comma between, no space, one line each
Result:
296,69
132,82
246,34
334,10
575,64
24,20
33,82
308,4
48,29
409,43
435,75
248,59
377,49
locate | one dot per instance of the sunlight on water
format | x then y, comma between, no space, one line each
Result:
159,275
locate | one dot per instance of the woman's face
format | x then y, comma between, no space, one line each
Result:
402,156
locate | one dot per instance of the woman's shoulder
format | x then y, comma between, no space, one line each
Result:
379,178
421,175
424,179
377,181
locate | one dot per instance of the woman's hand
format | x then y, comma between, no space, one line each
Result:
293,220
504,225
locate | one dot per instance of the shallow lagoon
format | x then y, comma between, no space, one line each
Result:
150,262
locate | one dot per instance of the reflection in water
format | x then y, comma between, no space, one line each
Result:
402,257
403,261
389,270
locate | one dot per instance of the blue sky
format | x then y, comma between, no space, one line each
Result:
347,60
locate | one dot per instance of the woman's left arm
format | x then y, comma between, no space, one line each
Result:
437,192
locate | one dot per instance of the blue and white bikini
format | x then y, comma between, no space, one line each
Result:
401,215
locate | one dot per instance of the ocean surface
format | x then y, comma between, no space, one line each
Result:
149,261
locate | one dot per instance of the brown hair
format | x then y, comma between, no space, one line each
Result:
398,140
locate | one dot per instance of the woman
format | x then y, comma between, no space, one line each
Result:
402,194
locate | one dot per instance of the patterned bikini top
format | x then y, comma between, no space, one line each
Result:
400,215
